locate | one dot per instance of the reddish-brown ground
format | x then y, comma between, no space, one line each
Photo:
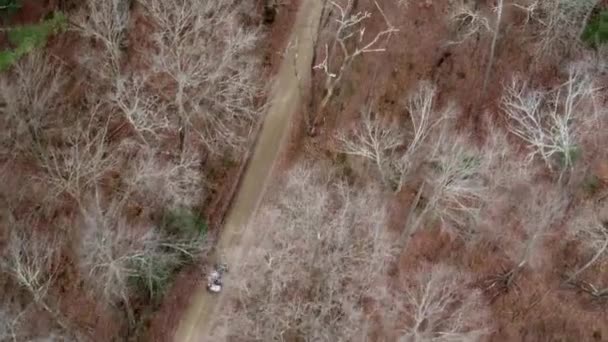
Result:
538,308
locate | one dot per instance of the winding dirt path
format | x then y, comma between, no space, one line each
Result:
285,99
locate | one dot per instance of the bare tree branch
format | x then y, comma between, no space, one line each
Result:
384,143
30,93
79,165
114,256
350,38
208,57
468,22
439,306
592,233
322,253
166,184
106,22
551,123
143,111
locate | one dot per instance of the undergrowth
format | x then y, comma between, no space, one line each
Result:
24,39
184,235
596,31
8,7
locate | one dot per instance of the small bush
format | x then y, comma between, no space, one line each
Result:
26,38
183,235
8,7
123,262
154,270
591,184
183,222
596,31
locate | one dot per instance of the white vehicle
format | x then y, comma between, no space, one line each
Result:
214,280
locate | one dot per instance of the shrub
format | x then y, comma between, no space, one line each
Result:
29,37
8,7
184,222
596,31
122,260
591,184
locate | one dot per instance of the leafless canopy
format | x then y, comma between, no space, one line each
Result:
387,145
553,123
590,230
559,24
104,22
439,306
348,42
114,255
30,93
458,187
30,261
468,22
322,253
208,57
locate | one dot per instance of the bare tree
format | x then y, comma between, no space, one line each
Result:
143,111
543,211
403,3
322,252
375,140
202,64
30,94
498,9
468,22
31,261
113,256
440,305
386,144
13,329
559,24
589,229
348,43
539,210
79,165
504,165
106,22
425,117
105,252
551,123
8,324
458,188
207,55
168,184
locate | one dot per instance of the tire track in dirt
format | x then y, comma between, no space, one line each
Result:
285,99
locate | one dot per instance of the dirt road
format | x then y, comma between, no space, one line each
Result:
292,77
